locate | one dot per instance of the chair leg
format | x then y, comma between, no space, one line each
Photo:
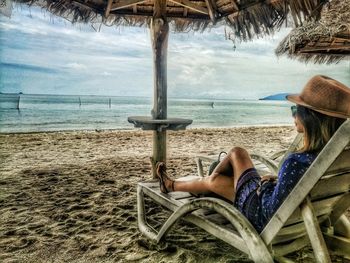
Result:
145,228
254,246
314,232
257,248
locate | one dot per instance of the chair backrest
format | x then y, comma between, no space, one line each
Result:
331,166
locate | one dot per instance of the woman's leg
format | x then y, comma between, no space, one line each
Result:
222,181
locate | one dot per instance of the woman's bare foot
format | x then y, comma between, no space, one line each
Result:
166,184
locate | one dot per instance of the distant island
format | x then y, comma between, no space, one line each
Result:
279,96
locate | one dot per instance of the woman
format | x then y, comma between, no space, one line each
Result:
322,107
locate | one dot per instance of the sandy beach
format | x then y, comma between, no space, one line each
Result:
71,196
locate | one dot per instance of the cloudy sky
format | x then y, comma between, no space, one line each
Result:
42,54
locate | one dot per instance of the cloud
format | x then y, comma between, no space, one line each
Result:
76,66
105,73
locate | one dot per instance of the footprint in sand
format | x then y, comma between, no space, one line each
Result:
23,243
105,181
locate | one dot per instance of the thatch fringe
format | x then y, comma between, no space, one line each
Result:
256,17
257,20
262,19
335,18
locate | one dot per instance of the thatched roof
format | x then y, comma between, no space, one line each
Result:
246,17
324,41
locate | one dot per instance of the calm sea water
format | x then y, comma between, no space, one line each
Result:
54,112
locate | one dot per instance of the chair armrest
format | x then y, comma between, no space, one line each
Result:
270,164
278,154
199,161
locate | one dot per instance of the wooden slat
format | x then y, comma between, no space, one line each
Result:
331,186
340,54
160,198
321,207
191,6
211,10
235,6
213,4
125,3
298,233
176,196
150,184
316,49
179,195
286,232
341,163
148,11
108,8
219,219
296,245
340,207
295,231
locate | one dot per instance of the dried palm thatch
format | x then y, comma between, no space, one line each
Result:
247,18
324,41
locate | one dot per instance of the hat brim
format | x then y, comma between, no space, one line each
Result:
295,98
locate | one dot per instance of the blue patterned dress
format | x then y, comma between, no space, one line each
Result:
259,208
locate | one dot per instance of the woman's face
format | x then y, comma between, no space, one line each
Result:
298,125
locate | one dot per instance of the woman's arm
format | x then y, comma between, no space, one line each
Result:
290,173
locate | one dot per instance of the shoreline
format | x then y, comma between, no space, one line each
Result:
135,129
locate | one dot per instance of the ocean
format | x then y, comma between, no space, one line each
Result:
34,113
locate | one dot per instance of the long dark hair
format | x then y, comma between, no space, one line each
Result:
318,128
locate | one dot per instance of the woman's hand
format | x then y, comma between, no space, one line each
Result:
269,177
264,179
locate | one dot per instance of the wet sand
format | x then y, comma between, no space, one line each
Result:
71,196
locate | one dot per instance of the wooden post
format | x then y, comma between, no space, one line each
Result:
159,37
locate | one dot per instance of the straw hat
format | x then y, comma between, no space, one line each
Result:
325,95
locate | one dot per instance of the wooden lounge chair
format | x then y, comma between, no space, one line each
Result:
313,213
